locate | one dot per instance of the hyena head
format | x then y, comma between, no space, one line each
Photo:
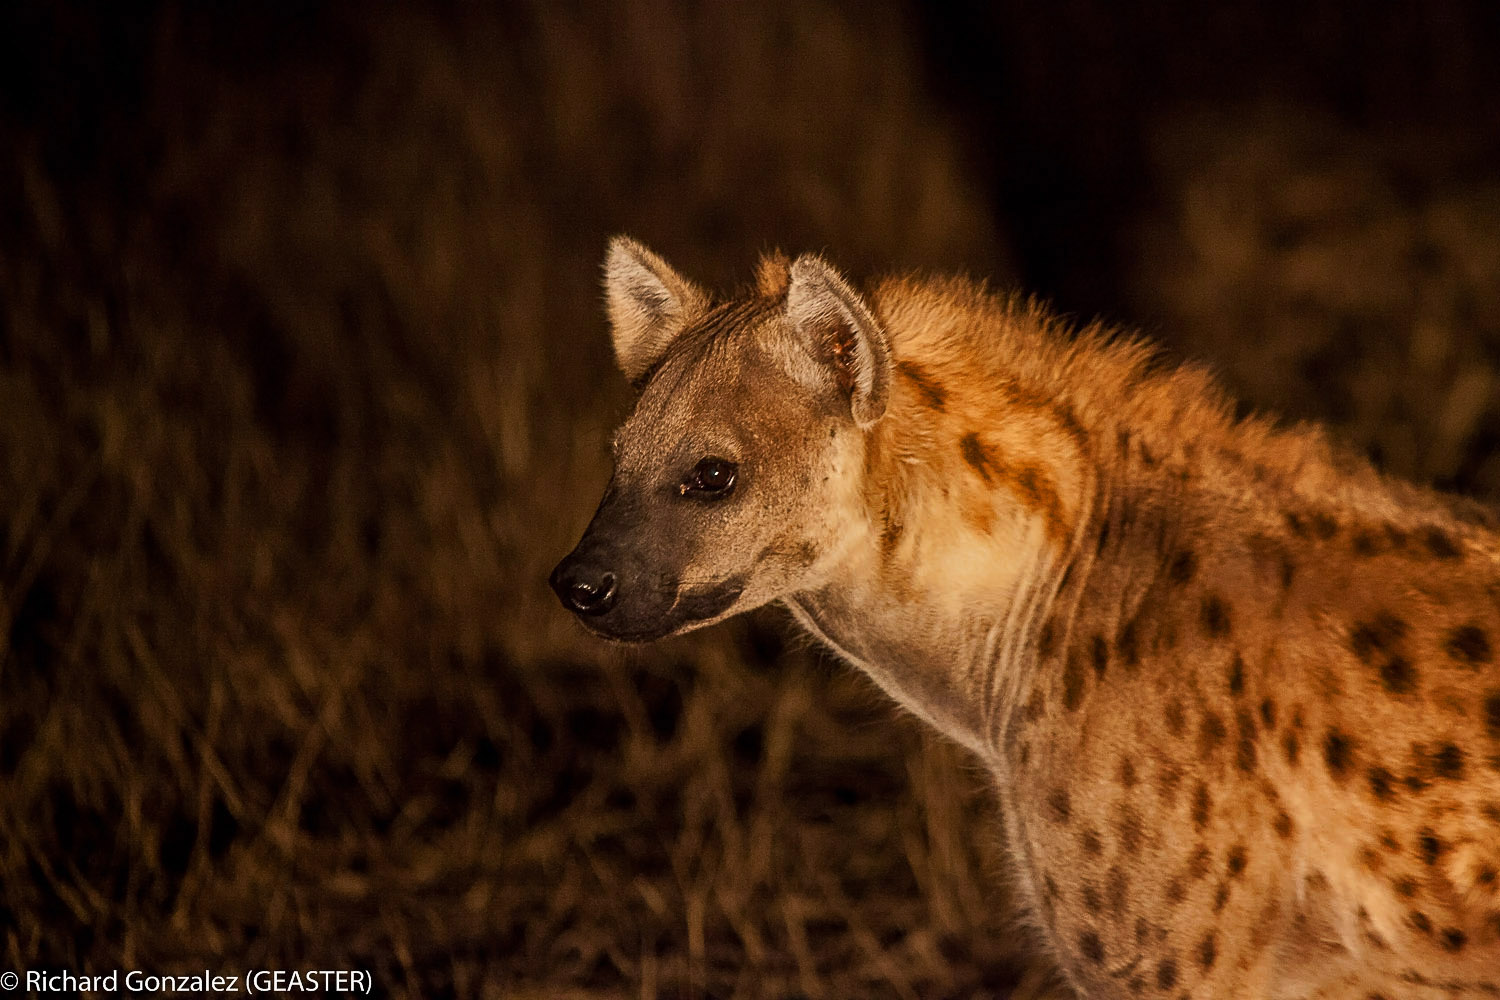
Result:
737,475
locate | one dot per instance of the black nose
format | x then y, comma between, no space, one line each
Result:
586,590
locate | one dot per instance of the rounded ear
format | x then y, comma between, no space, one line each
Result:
842,335
649,305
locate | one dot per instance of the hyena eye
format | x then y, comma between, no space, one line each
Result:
710,479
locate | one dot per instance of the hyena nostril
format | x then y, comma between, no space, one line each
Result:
591,596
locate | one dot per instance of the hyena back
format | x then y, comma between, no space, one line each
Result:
1238,691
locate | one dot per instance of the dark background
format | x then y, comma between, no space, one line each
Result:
304,386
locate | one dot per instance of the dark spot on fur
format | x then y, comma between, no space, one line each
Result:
1200,863
1365,543
1182,566
1166,973
1398,675
1208,951
1337,753
1211,734
1215,617
1236,860
1430,847
1420,921
1492,714
1100,655
1175,891
1091,947
1046,640
1201,806
1127,773
1040,493
1237,676
1380,634
1421,766
1453,939
1073,681
1221,896
1448,762
1268,713
890,534
1283,825
1244,756
1296,524
1380,783
931,391
1127,644
1405,886
1060,804
1291,746
1173,718
1324,526
1469,644
1440,543
1130,830
977,456
1089,841
1069,421
1091,900
1167,779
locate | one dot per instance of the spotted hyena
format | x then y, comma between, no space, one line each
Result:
1238,691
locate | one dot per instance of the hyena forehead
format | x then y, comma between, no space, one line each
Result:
733,381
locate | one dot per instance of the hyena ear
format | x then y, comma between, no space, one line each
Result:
842,334
649,304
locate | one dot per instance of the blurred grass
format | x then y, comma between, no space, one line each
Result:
1336,275
303,388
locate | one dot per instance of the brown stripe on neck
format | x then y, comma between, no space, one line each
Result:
929,389
1028,481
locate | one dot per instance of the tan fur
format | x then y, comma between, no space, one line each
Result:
1240,693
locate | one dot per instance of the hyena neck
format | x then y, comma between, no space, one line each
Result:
975,486
1008,453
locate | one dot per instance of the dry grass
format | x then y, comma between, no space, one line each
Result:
303,388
